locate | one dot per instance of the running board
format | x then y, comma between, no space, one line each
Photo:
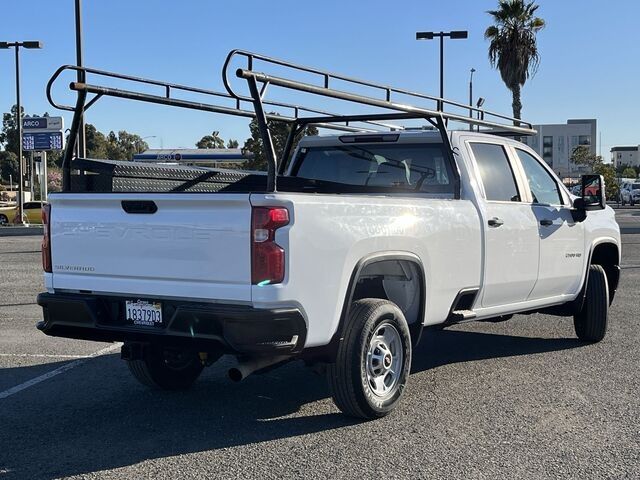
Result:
461,315
461,308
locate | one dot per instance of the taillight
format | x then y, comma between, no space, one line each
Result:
267,257
46,239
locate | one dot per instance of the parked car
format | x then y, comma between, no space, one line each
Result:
33,212
630,193
7,213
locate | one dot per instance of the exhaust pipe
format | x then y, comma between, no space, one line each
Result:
246,367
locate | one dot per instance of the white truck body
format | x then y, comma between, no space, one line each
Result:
197,247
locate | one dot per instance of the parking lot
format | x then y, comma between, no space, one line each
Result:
519,399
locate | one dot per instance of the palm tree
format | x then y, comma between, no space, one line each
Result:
513,49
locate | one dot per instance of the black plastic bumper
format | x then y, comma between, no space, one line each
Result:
234,328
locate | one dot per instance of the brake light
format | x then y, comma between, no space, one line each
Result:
46,239
267,257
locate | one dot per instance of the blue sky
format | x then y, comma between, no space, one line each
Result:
590,55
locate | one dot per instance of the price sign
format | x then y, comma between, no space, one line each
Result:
42,141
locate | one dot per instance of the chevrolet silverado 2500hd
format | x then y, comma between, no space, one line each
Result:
367,239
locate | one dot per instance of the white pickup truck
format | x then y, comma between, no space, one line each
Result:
368,239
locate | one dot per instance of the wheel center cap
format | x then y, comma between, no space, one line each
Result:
387,360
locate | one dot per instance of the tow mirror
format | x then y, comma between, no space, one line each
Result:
593,192
593,196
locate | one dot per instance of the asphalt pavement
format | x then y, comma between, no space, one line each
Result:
519,399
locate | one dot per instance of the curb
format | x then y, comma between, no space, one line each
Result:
20,231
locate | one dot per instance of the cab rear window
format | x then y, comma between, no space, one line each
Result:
400,167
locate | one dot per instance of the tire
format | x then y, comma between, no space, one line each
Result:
167,369
4,220
376,338
591,323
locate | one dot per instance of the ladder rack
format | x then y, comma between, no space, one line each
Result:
388,104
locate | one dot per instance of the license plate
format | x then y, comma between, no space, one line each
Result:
141,312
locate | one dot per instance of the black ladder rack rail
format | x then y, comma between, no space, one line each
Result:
98,91
259,82
388,98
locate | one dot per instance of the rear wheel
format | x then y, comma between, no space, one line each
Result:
3,219
591,323
373,360
167,369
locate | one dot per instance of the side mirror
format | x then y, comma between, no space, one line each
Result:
593,197
593,194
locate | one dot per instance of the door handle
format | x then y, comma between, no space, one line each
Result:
546,222
495,222
139,206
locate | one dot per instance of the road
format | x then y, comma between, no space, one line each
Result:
519,399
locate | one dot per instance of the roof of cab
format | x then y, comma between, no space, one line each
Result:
411,136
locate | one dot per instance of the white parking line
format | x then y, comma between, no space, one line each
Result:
58,371
39,355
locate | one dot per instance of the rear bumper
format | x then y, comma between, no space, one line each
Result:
234,328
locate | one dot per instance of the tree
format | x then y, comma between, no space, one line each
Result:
96,142
124,145
582,156
233,144
279,134
54,180
513,49
629,172
612,189
211,141
8,165
9,133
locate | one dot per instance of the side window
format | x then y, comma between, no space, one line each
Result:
543,187
496,173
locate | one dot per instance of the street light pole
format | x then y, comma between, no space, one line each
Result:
441,69
17,45
456,34
82,148
19,125
471,96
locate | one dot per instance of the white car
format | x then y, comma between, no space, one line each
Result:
630,192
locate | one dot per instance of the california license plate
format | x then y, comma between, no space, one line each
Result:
145,313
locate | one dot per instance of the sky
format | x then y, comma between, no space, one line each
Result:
589,51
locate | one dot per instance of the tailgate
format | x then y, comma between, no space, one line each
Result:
193,246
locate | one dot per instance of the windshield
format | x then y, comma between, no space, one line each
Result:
635,186
416,167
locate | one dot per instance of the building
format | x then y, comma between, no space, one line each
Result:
628,156
556,142
202,157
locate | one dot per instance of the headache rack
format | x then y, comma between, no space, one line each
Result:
391,104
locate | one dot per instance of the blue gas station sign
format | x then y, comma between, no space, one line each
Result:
41,141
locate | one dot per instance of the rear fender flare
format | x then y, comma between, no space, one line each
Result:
416,328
